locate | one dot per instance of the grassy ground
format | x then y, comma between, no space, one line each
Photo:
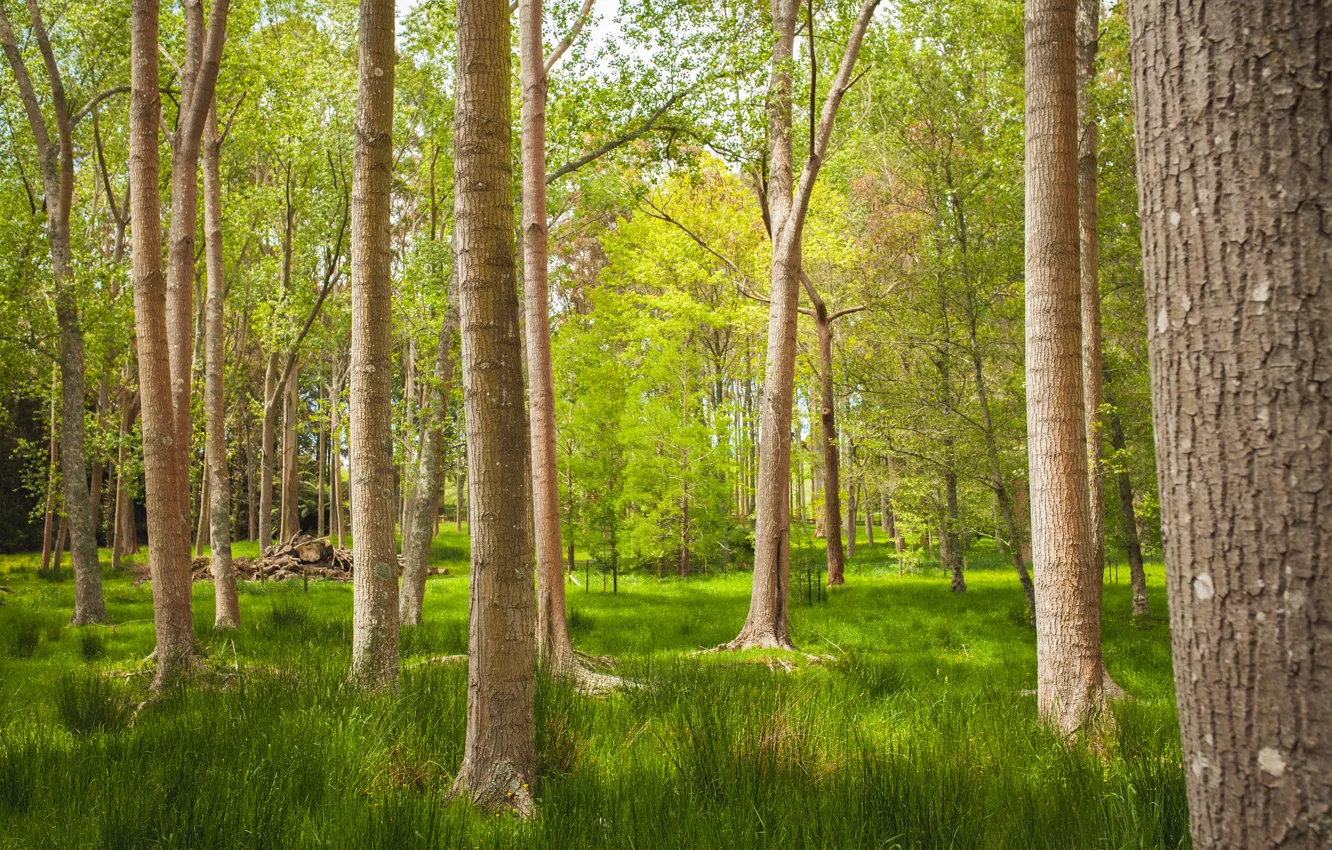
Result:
919,735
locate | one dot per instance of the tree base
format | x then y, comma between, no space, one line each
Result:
495,790
759,640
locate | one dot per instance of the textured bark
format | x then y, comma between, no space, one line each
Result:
124,539
267,447
374,543
53,451
1088,29
335,435
1233,119
418,534
57,166
201,529
198,77
1128,519
168,534
499,756
1069,669
227,614
850,504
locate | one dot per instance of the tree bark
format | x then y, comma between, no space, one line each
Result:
267,448
500,751
950,539
168,535
201,529
1232,121
1088,33
227,615
335,433
291,459
53,451
374,542
1068,582
417,536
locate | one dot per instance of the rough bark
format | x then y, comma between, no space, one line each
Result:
1069,669
418,534
1088,29
1128,519
227,614
198,77
168,534
499,755
1233,118
374,542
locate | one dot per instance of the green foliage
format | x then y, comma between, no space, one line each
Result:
88,703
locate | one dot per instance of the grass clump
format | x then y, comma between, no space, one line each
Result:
89,703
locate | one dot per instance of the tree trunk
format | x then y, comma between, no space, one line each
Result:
203,50
500,752
417,535
267,448
99,462
374,542
1128,518
869,516
851,507
832,506
291,460
52,477
1088,33
168,535
201,529
458,494
335,431
950,539
1069,669
321,463
227,615
1232,118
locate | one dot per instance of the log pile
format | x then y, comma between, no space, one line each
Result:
301,556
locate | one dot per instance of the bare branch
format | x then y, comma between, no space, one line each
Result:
642,130
581,21
26,92
846,311
94,103
226,129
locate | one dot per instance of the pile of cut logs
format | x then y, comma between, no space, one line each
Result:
299,557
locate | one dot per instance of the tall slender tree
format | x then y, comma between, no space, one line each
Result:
787,201
1088,29
1069,668
227,614
499,756
1232,119
57,168
374,543
168,531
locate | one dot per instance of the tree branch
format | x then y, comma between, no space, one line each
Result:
572,36
642,130
94,103
26,92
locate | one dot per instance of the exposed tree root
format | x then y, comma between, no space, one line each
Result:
496,790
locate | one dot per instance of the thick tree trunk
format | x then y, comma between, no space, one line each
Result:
417,535
832,506
374,543
499,757
1128,519
168,535
1068,581
1088,29
227,614
1232,120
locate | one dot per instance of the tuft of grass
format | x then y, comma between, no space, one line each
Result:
24,635
92,644
90,703
287,614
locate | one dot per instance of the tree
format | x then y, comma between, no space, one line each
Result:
1069,669
499,756
373,518
57,168
1233,188
168,532
787,201
1088,34
219,496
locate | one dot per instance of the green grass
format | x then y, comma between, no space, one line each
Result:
917,736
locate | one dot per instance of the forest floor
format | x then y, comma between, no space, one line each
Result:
920,732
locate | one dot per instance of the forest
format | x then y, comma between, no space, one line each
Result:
665,423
